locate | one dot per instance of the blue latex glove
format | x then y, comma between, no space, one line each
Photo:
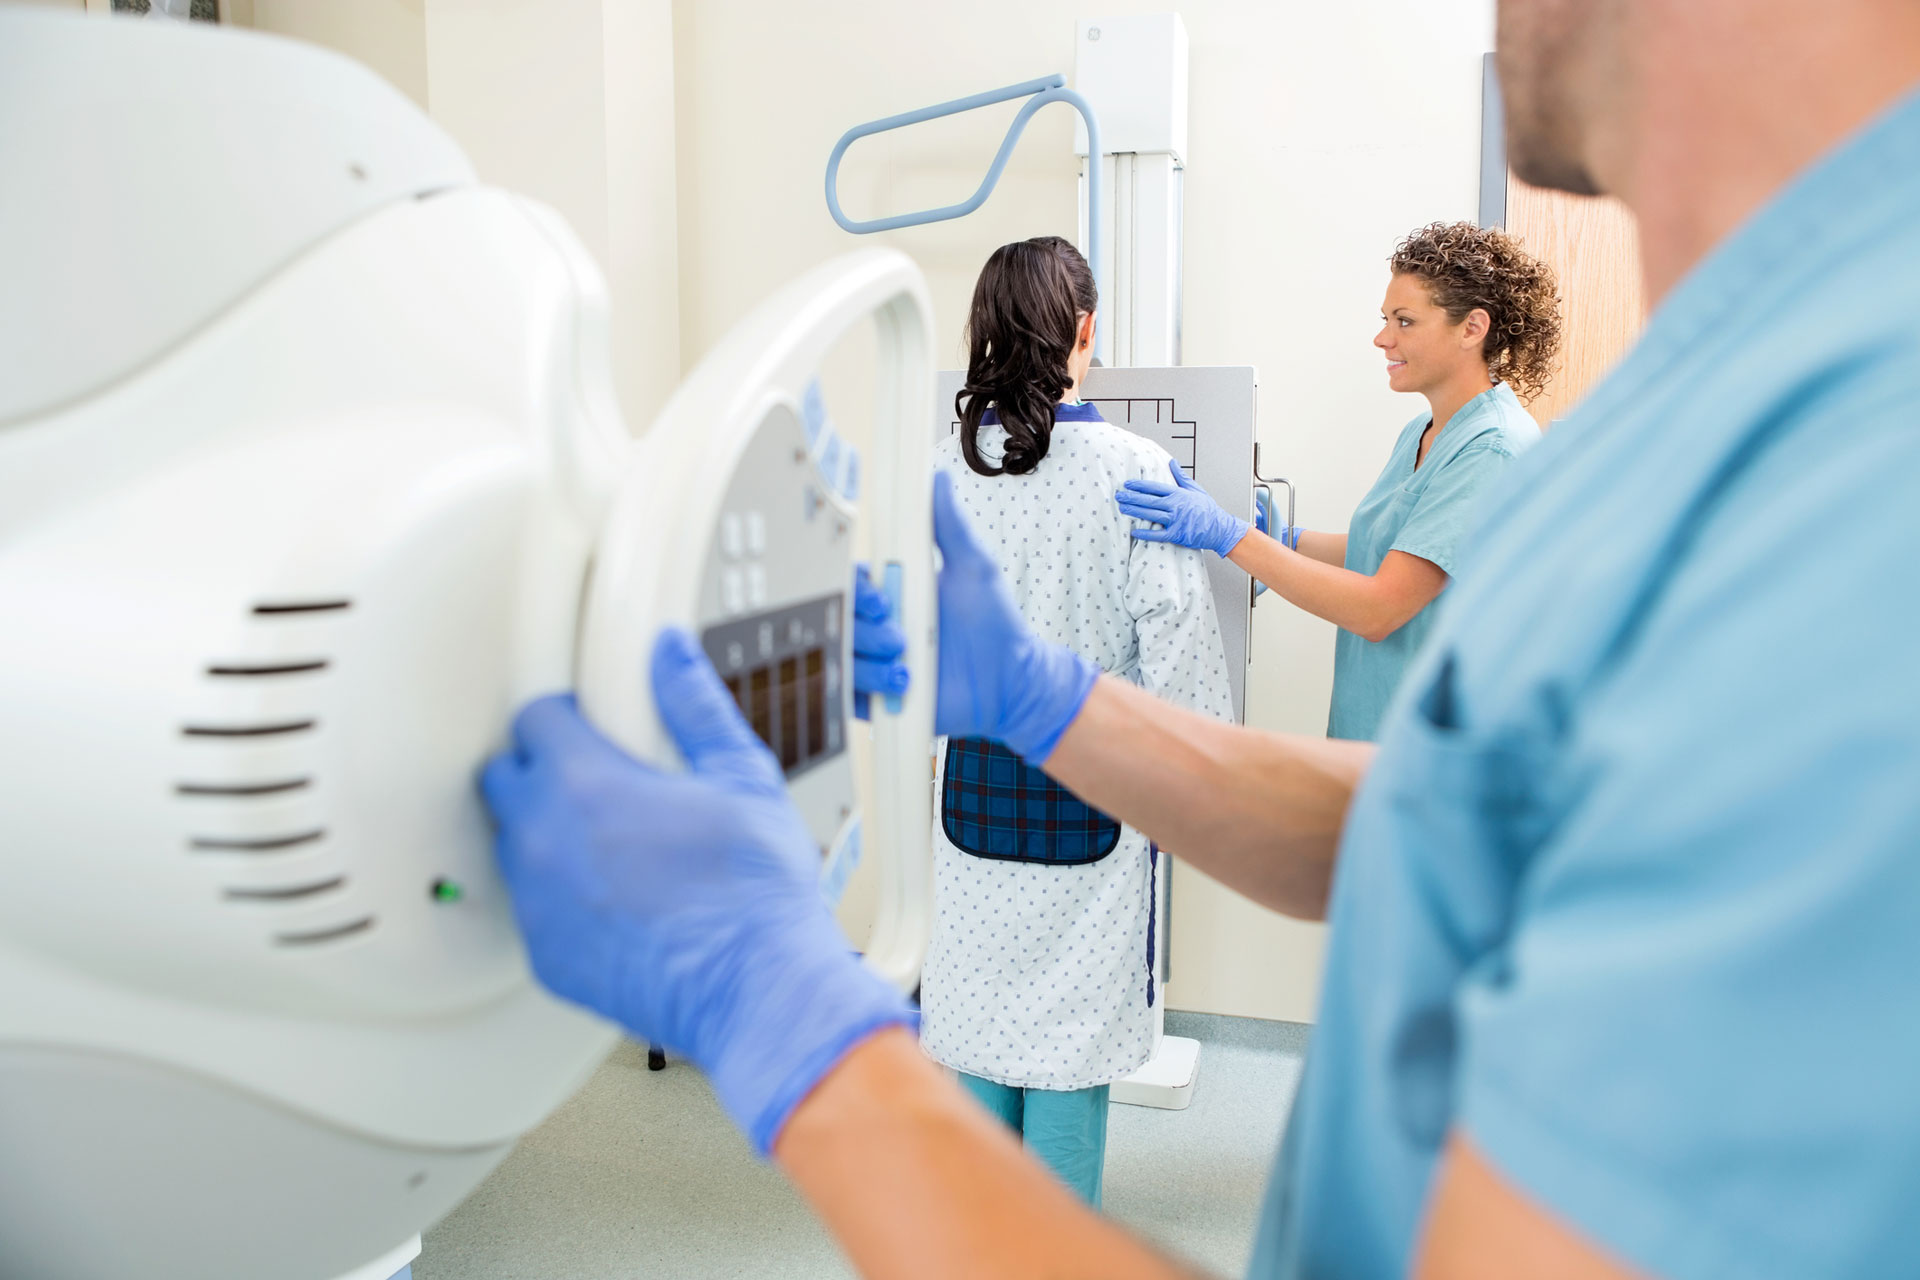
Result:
1288,537
997,679
878,645
684,906
1190,517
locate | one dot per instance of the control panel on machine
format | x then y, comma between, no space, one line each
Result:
773,610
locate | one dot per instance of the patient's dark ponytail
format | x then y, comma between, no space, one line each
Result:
1020,331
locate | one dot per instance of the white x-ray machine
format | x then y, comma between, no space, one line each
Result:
310,472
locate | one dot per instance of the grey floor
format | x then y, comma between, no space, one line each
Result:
640,1175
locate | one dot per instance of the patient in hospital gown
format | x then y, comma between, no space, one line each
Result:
1039,982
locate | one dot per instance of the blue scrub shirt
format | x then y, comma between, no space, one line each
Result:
1631,895
1425,511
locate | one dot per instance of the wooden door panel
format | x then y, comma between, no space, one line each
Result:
1593,246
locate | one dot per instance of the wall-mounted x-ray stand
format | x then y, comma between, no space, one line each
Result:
1134,72
1130,92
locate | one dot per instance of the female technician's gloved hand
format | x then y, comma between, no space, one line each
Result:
1190,515
1288,536
685,907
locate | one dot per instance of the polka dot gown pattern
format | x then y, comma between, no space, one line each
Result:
1036,975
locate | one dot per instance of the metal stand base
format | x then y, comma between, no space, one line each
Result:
1166,1081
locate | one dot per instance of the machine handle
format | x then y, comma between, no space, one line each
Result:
1263,494
894,587
1265,484
1039,93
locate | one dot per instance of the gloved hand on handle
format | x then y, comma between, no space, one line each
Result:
684,906
1288,536
879,646
1189,516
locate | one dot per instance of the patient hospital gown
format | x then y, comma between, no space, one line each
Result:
1038,974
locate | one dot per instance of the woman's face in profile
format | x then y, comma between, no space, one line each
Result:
1424,348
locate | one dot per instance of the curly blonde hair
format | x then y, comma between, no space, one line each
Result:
1467,267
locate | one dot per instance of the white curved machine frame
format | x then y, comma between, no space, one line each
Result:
776,541
303,477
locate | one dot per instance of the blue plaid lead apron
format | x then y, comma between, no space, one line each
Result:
993,804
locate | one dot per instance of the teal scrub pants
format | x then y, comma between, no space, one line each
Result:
1066,1128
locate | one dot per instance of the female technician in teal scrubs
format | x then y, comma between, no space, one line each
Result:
1472,324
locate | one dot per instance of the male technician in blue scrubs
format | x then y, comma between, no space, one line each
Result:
1626,906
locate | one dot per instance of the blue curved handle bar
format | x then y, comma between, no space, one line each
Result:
1039,93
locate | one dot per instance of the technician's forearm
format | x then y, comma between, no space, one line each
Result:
1260,812
914,1180
1356,602
1327,548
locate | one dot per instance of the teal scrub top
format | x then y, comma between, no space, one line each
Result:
1631,895
1425,511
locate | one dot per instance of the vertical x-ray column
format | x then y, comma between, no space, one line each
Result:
1133,71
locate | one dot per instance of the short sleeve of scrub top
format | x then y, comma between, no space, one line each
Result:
1426,511
1439,523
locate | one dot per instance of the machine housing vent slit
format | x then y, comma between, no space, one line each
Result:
301,606
260,844
246,730
336,932
285,893
267,668
242,788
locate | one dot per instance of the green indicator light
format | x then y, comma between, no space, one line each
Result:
447,891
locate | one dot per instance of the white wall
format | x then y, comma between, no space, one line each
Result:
571,101
1320,134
